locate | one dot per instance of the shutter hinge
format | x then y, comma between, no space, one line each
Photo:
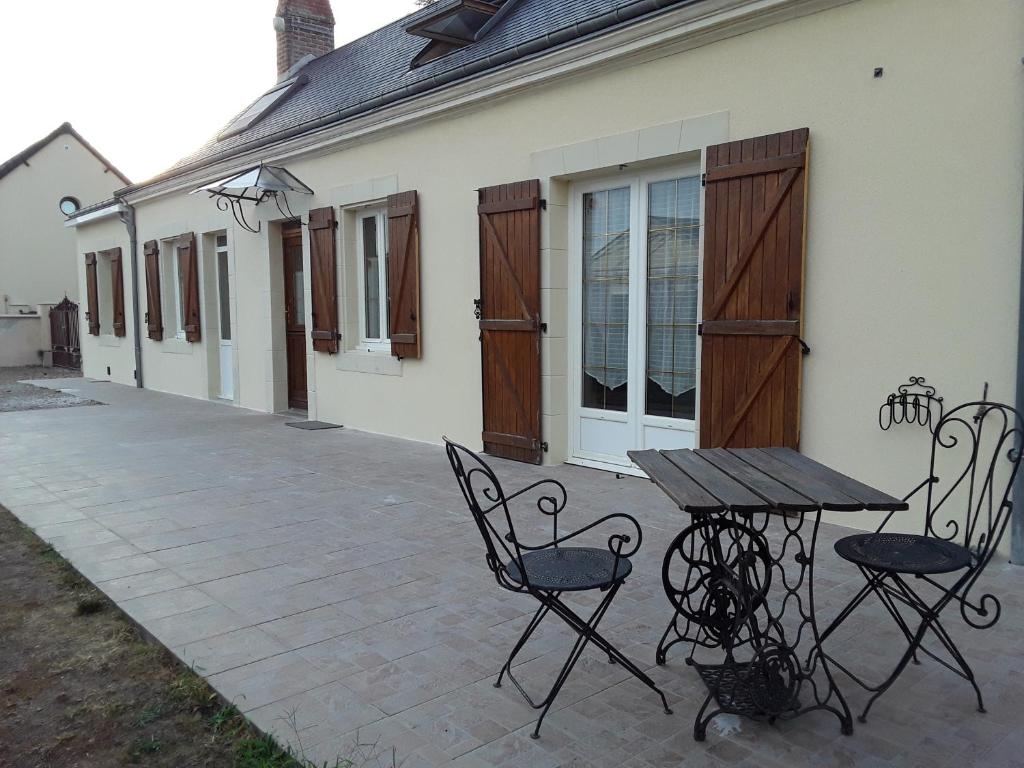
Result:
700,329
543,327
703,179
543,204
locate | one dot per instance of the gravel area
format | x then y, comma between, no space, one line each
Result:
16,395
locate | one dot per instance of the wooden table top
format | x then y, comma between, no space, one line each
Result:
707,480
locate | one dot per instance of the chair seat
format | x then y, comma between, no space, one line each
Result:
569,569
903,553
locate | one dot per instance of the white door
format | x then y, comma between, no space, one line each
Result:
634,310
227,357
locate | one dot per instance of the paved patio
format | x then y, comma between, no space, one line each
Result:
333,581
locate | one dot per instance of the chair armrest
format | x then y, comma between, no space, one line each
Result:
926,482
551,503
616,541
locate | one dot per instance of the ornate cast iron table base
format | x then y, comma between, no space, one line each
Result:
742,584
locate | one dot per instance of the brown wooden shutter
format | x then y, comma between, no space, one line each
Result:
190,278
154,309
753,291
92,295
404,275
510,324
117,284
323,279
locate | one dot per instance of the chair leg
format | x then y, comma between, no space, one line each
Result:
616,654
890,606
954,651
904,660
584,635
851,606
538,617
586,631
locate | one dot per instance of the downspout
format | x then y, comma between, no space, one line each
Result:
1017,516
127,217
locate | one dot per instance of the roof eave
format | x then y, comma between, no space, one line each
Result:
61,130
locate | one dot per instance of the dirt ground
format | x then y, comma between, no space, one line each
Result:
80,689
15,396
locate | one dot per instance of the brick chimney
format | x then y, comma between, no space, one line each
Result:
303,27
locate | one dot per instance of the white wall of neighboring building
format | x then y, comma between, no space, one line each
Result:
37,252
913,223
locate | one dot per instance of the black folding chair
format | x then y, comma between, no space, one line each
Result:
980,443
547,570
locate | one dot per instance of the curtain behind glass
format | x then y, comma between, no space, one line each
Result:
606,297
673,228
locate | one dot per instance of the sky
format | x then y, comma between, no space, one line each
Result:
146,81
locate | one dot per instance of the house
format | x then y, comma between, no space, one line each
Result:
561,231
39,188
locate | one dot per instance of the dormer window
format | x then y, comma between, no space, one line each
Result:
263,106
452,25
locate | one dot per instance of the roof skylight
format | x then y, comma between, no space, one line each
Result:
454,24
263,106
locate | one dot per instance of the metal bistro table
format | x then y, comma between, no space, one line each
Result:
741,575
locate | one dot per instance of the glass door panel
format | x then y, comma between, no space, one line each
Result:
673,230
606,276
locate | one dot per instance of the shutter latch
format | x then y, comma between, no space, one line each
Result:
700,329
703,179
478,308
543,204
804,349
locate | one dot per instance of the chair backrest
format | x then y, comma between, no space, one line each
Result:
975,456
486,499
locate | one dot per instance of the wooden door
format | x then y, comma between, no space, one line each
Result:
510,325
754,206
294,315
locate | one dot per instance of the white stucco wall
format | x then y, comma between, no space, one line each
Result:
913,231
37,263
24,339
106,357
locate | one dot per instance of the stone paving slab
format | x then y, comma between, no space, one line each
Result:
332,584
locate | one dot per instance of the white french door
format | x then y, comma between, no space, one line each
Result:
634,308
226,351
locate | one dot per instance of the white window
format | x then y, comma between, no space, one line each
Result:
372,276
172,279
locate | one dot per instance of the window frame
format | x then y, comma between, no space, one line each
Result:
223,299
105,292
367,343
170,260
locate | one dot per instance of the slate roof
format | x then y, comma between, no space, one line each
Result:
374,70
64,128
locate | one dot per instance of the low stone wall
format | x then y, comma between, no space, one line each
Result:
25,339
